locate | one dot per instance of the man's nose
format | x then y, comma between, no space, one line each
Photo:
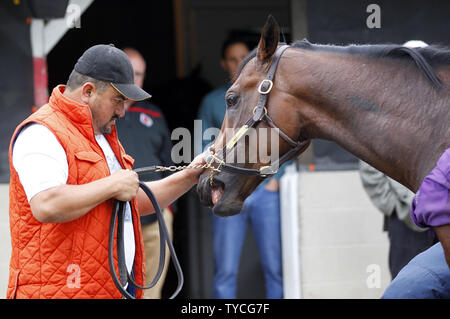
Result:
120,112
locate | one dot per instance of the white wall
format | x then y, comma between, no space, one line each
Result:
341,245
289,204
5,240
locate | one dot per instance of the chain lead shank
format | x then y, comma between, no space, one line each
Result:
173,168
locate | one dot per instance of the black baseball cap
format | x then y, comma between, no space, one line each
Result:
107,63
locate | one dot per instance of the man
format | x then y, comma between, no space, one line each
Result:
144,134
67,168
261,209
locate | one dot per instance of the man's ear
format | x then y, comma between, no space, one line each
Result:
268,42
87,90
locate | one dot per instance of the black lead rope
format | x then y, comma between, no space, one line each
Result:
124,278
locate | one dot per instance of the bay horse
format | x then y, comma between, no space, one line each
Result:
387,104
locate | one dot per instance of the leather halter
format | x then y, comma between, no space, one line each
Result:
259,115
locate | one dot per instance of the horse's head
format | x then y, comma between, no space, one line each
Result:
260,130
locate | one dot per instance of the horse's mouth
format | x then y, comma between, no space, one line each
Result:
216,196
210,192
217,190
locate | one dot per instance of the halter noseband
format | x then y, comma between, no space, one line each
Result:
259,115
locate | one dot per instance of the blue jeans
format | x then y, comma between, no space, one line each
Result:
262,210
426,276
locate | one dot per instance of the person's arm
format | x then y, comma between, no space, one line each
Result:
65,203
443,233
430,205
376,184
168,189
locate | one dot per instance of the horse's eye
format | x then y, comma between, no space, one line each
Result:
231,99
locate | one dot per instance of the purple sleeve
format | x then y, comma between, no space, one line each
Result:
431,205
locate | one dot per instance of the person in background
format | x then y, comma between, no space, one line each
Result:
427,276
145,135
261,209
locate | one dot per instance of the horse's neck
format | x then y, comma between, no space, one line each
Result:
371,111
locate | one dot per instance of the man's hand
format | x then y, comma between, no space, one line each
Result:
195,173
168,189
65,203
126,183
443,233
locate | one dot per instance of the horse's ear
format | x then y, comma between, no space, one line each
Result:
268,42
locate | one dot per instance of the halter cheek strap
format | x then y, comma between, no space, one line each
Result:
266,85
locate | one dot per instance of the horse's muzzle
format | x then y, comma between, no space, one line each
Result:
204,190
215,196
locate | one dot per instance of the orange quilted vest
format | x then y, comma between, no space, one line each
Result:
67,260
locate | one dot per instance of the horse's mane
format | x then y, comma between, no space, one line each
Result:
424,58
